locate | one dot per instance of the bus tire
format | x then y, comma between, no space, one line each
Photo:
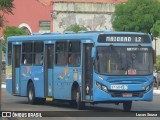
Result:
80,104
31,94
127,106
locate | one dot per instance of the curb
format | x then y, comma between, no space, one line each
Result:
3,85
156,91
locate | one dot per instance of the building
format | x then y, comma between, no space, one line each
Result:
93,14
56,15
30,15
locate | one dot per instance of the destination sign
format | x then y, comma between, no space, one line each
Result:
123,38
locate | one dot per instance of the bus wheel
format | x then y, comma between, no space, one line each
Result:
80,104
127,106
31,94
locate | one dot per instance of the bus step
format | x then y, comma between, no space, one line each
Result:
49,99
16,94
88,101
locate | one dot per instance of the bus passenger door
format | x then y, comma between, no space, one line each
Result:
16,69
87,71
48,70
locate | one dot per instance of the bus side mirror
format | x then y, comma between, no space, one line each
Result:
154,57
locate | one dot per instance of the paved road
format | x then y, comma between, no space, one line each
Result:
14,103
3,78
10,102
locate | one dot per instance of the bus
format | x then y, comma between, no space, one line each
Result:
88,67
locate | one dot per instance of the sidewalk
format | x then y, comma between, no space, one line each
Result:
155,91
3,85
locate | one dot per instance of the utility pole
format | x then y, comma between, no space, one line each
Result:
155,45
155,48
0,68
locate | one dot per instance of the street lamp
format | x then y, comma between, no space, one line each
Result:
0,66
0,57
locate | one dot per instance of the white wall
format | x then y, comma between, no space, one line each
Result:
94,16
157,46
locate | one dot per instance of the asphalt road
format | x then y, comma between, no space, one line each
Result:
15,103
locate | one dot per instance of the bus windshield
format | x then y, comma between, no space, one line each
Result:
113,60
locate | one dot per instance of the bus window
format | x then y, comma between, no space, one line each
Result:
38,53
61,53
74,53
9,53
27,53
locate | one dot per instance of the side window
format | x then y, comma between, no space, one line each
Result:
61,53
9,53
38,53
27,49
74,53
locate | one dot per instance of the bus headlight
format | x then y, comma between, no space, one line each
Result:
98,85
149,87
104,88
101,86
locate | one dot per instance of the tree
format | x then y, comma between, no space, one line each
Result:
157,65
11,31
136,15
155,30
75,28
6,7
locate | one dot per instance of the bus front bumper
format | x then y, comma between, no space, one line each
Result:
101,96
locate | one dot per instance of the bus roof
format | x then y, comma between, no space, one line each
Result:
69,35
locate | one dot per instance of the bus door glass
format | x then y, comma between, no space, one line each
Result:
48,70
16,69
87,67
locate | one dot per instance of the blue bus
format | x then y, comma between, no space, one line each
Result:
88,67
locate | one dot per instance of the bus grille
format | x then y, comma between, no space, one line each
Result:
120,93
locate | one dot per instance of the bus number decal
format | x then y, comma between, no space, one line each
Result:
36,78
88,41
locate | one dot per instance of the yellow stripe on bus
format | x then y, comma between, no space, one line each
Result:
49,99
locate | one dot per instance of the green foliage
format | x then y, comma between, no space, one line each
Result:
75,28
6,7
155,30
12,31
136,15
157,63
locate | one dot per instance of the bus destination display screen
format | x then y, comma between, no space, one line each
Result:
123,38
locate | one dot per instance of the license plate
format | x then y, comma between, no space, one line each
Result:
119,87
127,94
